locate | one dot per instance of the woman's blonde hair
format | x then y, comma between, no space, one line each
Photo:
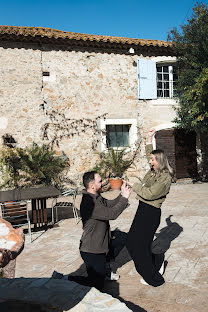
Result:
162,162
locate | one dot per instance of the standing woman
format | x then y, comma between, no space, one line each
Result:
151,193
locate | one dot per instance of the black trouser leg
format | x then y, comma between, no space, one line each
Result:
157,260
139,242
96,268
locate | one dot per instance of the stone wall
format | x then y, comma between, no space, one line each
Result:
20,91
82,84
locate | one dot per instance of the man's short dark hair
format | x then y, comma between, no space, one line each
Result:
88,177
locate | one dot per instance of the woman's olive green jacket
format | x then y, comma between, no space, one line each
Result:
153,189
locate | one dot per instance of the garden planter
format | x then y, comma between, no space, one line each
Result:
115,184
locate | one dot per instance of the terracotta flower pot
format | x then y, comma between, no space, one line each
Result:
115,184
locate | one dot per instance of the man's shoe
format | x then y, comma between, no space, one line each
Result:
57,275
142,281
112,277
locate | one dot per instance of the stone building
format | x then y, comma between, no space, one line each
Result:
81,90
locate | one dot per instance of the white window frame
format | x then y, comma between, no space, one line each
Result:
123,121
170,81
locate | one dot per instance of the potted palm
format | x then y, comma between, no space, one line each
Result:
113,164
31,166
40,166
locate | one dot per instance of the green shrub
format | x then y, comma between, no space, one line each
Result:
34,165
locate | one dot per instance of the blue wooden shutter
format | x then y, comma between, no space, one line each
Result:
147,85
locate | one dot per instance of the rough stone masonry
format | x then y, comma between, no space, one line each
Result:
37,79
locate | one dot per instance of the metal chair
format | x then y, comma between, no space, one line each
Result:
16,212
61,204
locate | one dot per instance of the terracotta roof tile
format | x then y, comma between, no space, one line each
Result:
58,34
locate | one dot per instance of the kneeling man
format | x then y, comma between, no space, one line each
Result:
96,212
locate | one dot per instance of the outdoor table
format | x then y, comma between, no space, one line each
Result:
38,197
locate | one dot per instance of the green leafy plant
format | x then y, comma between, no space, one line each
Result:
191,46
41,165
113,163
10,166
190,43
34,165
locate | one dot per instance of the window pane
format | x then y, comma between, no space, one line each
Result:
117,135
112,139
165,69
159,85
159,76
159,69
126,135
159,93
110,136
166,77
126,128
166,85
166,93
111,128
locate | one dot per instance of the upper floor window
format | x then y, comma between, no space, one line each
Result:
166,78
156,80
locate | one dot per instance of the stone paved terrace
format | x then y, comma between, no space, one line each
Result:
184,237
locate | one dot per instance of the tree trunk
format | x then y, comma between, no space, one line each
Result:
204,154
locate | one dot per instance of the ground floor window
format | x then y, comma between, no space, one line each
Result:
118,133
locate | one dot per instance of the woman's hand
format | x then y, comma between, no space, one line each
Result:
129,184
125,190
150,135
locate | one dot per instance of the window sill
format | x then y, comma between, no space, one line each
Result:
164,101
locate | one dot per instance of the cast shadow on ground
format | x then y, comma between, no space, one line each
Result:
159,246
167,234
39,295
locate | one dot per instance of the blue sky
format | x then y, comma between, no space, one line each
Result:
146,19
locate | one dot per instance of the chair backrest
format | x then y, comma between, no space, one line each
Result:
15,212
69,192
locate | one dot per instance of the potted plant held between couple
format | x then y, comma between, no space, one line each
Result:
113,164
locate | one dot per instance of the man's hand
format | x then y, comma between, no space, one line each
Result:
125,190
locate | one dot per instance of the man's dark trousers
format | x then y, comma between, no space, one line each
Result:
96,268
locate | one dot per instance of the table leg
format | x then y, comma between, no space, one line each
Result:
34,213
44,210
39,212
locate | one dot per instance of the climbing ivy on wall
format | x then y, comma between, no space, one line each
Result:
61,127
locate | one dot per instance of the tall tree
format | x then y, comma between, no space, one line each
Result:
191,44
